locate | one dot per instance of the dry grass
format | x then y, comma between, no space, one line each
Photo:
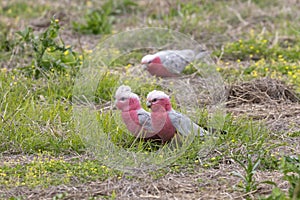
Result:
258,91
268,100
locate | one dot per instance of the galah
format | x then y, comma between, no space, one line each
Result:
166,122
136,119
170,63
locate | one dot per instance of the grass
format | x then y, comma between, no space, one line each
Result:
40,142
20,9
34,118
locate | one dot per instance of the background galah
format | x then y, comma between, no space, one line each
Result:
166,121
137,120
170,63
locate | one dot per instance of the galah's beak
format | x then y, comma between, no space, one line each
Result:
149,104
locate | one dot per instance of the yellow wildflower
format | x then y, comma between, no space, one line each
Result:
294,76
89,51
251,32
254,73
4,70
89,4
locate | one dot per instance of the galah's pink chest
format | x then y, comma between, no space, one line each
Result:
156,69
163,126
131,120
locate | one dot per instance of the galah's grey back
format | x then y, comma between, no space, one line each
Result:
176,60
185,125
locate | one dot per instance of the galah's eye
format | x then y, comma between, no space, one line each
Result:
123,99
149,61
154,100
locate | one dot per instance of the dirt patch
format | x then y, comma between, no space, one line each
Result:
277,117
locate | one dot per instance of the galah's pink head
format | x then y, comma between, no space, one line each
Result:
150,59
127,100
158,101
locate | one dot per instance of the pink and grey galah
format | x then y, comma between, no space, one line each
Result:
166,122
170,63
136,119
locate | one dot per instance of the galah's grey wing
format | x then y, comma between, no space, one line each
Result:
185,125
176,61
145,120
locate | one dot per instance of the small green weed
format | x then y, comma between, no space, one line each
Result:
248,181
96,22
49,54
99,21
290,167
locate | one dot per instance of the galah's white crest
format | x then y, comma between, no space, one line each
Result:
170,63
166,121
136,119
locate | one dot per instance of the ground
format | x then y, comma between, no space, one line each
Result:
254,47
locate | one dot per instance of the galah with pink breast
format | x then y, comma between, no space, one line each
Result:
136,119
166,122
170,63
